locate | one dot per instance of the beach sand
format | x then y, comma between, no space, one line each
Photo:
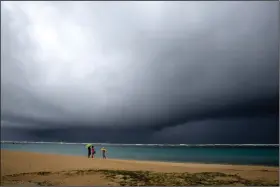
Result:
25,168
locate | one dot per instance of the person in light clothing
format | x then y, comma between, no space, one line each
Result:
104,151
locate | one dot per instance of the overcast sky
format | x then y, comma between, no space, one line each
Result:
140,72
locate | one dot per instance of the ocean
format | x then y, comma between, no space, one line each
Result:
248,155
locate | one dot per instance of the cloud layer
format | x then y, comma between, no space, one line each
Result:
139,65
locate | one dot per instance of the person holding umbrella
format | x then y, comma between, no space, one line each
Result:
88,146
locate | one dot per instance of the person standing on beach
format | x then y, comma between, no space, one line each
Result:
89,151
92,151
103,150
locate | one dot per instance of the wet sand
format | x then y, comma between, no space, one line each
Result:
51,169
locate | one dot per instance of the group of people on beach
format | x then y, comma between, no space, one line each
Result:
92,152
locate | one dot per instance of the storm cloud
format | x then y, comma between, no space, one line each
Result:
180,72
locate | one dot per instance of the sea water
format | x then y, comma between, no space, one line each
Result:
249,155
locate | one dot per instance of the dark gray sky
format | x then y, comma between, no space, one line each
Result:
140,72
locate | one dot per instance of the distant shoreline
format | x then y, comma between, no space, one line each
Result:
159,145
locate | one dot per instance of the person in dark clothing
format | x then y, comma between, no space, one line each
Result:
89,151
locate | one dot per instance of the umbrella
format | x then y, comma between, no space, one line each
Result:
88,145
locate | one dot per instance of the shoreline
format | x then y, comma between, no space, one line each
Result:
160,161
150,161
19,155
19,167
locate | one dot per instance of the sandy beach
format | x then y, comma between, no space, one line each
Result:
27,168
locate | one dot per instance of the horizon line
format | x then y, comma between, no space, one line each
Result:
104,143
